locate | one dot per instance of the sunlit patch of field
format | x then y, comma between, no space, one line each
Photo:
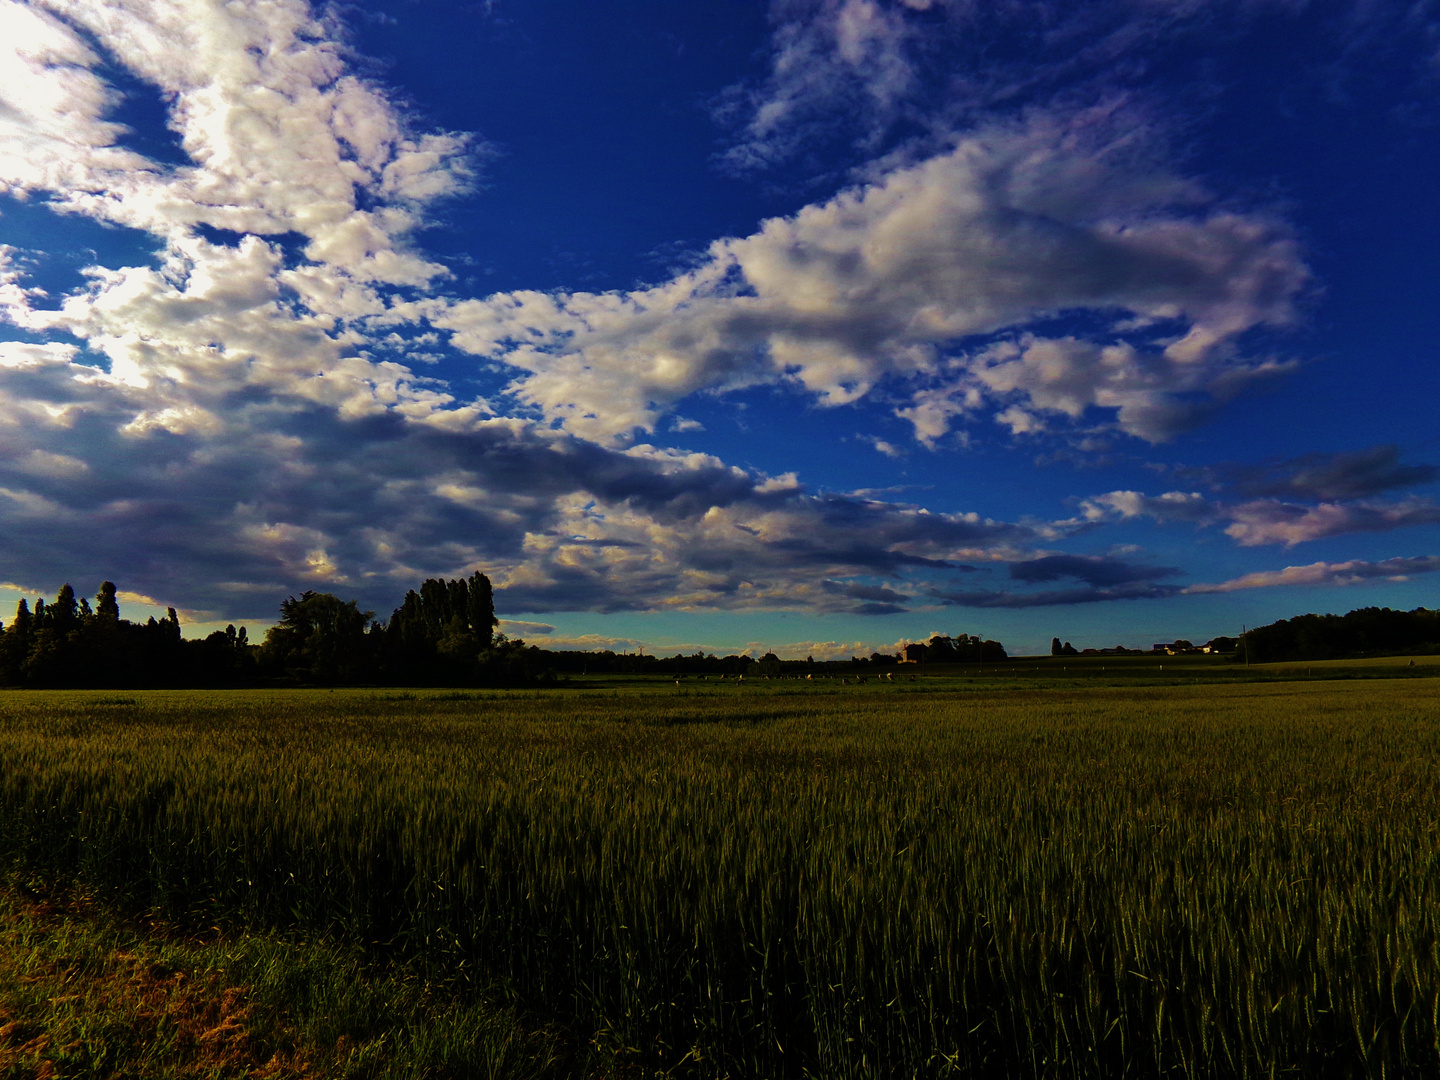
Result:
975,873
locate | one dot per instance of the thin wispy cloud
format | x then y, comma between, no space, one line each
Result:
1342,574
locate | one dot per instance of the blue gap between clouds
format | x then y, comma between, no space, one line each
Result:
291,244
55,246
141,106
145,113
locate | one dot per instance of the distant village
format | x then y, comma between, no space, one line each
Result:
1179,647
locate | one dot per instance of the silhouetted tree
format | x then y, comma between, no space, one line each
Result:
481,609
319,638
446,633
15,645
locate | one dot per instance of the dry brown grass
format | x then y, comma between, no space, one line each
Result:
82,996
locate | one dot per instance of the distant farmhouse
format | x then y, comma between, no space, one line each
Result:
1180,646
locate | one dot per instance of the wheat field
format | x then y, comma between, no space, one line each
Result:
789,880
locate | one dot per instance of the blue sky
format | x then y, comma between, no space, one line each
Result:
808,326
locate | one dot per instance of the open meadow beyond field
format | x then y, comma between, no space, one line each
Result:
963,875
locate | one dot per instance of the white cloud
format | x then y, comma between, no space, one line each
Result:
1270,521
824,55
593,642
280,135
1014,225
1265,521
519,628
24,354
244,439
1354,572
1171,506
268,485
53,135
1150,393
825,650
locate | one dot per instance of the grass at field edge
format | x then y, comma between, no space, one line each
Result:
87,993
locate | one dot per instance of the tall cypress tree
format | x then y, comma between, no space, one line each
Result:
481,609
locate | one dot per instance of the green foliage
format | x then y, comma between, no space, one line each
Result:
442,635
787,880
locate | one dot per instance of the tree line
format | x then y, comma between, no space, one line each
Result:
68,643
442,634
1371,631
940,649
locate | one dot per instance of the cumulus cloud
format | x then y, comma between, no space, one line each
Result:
1170,506
283,490
280,135
1270,521
828,650
890,280
519,628
1354,572
1153,397
1256,522
235,420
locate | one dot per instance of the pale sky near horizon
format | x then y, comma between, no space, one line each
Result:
807,326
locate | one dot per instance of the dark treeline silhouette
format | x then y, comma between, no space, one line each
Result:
67,643
444,635
1365,632
441,635
961,649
